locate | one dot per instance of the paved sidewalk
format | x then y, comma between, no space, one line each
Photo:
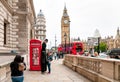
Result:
60,73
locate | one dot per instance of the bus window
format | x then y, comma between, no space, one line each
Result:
78,49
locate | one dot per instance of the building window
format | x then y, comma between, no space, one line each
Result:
5,33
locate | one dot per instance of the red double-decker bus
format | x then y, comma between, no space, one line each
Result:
72,48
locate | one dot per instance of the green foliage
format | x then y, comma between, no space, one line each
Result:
102,47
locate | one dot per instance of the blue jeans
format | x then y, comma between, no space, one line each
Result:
17,79
49,67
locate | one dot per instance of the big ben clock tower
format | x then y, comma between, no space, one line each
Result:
65,27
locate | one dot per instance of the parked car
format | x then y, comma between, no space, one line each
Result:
114,53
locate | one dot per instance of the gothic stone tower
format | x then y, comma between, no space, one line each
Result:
117,39
65,27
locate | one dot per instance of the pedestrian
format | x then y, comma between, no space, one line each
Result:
17,67
58,54
55,55
96,54
49,59
44,57
62,54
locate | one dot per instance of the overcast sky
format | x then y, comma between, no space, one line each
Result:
85,15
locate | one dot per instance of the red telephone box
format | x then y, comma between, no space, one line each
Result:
35,54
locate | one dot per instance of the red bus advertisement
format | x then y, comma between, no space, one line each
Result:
72,48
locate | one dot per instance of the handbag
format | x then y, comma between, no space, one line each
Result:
21,67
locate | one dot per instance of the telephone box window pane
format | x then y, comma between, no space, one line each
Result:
35,56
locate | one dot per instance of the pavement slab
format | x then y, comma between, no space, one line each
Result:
59,73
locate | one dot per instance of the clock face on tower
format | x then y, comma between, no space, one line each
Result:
65,21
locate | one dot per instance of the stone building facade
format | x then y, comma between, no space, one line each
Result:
110,41
16,19
40,26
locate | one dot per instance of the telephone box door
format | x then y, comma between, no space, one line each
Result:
35,54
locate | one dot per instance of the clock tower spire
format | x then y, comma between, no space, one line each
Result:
65,11
65,27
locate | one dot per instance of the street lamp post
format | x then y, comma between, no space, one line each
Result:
69,37
55,43
65,37
98,45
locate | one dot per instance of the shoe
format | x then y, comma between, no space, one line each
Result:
48,72
42,72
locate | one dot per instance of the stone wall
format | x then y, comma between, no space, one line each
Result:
95,69
19,16
5,71
5,18
21,13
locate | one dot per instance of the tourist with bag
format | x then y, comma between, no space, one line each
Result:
17,67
